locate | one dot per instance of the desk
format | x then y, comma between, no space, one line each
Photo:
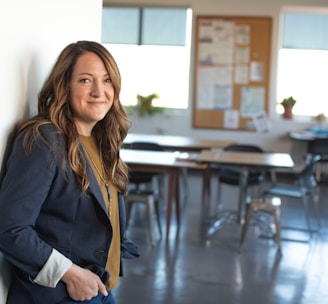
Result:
243,162
178,143
161,162
309,134
316,141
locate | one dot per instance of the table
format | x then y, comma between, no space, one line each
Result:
243,162
162,162
178,143
316,140
309,134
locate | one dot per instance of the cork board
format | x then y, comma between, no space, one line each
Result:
231,71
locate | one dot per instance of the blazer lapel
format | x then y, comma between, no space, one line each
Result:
94,186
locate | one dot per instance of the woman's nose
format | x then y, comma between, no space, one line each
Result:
96,89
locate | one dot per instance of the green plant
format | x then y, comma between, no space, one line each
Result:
145,105
288,102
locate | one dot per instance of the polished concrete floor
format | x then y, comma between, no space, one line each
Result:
183,270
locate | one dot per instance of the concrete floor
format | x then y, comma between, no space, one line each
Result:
183,270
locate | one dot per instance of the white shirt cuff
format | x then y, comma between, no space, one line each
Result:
53,270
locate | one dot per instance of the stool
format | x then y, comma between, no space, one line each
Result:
271,206
151,200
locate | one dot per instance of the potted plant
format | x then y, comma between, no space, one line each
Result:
145,105
288,104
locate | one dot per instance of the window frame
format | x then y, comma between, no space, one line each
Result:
304,112
173,106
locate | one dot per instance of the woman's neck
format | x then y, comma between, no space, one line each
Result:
83,129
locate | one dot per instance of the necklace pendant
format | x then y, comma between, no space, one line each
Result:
108,192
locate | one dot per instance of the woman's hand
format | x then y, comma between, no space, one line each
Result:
82,284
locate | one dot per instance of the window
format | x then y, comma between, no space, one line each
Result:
152,49
303,60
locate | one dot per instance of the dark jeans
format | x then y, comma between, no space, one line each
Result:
99,299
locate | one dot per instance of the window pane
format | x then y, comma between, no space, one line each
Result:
303,75
154,69
164,26
305,31
161,69
120,25
303,60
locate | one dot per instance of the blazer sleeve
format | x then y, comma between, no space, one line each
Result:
25,185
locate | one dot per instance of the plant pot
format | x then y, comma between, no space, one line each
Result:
288,114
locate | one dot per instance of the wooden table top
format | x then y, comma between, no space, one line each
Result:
158,159
270,160
178,143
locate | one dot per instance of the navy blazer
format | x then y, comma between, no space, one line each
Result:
42,207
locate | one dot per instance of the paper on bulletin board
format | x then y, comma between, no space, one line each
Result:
241,74
252,101
231,119
243,33
216,42
215,87
256,71
261,122
242,55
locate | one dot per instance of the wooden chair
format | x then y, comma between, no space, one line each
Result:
142,190
256,207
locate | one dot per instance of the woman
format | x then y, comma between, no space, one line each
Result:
61,198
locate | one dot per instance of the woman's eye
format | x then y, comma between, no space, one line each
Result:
108,80
84,80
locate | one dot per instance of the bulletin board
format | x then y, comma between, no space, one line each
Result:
231,71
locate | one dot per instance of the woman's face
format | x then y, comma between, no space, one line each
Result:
91,92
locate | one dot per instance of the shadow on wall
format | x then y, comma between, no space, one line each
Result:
35,79
30,78
5,278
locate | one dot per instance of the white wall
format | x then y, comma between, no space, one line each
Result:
32,33
277,138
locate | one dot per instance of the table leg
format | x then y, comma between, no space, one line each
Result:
173,195
242,194
225,215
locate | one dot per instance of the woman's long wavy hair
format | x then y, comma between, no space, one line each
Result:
54,108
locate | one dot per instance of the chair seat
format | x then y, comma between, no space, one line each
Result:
270,206
150,198
231,177
285,190
141,192
303,189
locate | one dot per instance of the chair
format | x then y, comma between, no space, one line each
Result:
141,190
319,146
270,206
304,190
232,177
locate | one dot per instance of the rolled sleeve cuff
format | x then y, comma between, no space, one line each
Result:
53,270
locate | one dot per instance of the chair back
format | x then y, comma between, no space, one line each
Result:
140,145
226,175
319,146
243,148
306,179
138,178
